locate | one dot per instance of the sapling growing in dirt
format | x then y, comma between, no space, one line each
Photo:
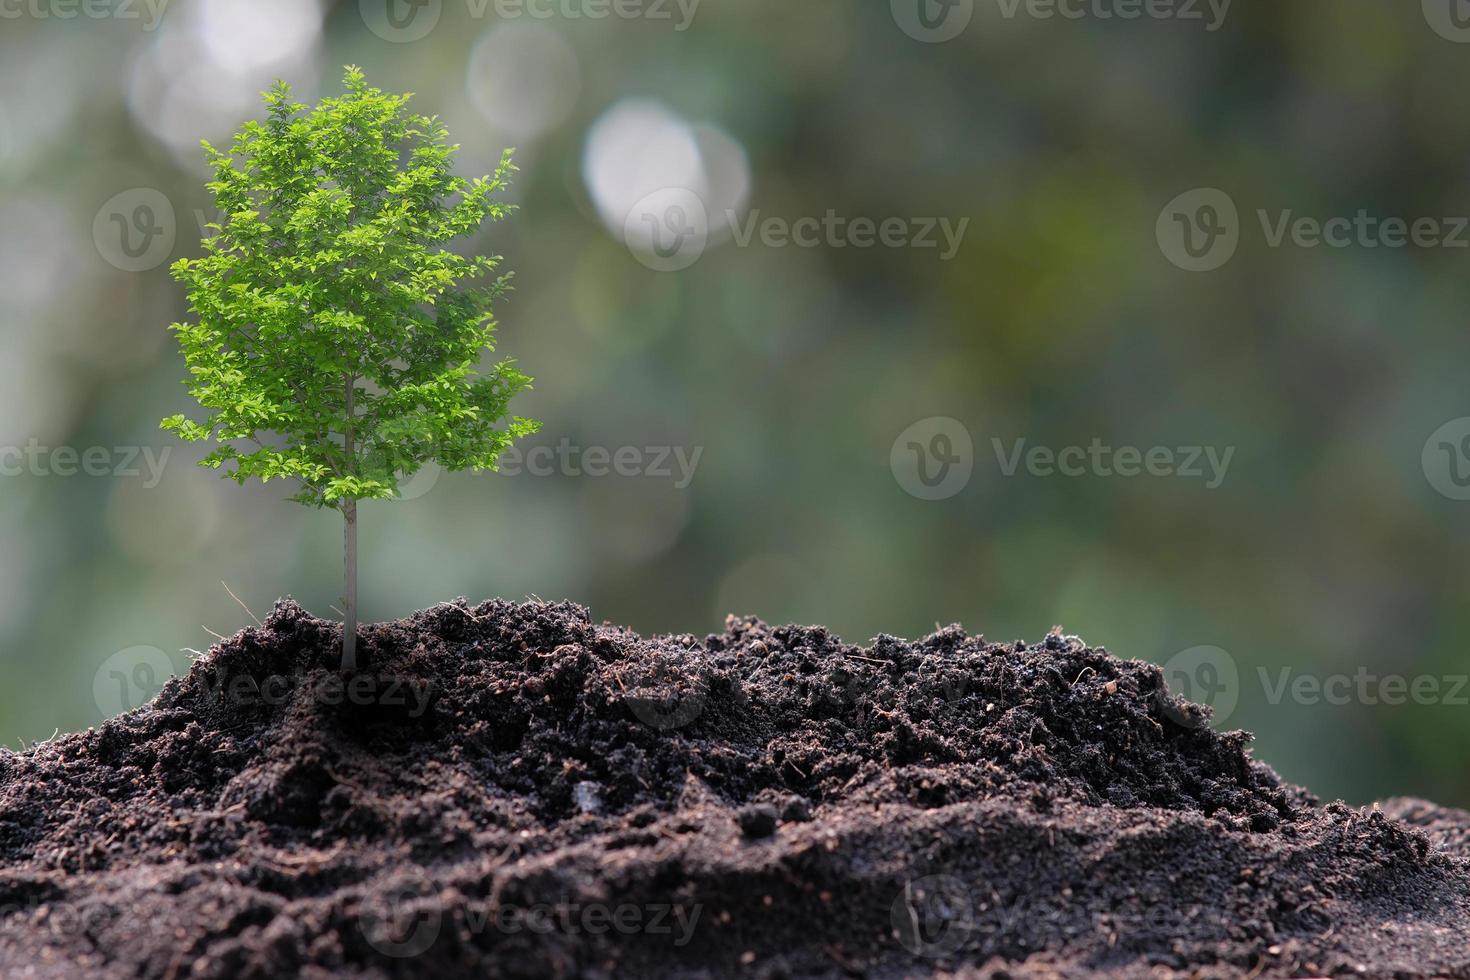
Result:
338,340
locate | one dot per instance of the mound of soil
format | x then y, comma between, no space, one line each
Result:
512,790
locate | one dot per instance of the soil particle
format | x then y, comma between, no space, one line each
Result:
758,819
512,790
794,809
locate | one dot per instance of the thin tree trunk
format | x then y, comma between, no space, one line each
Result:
349,629
349,549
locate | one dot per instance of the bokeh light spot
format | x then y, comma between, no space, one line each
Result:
524,79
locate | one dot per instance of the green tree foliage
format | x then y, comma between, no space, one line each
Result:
338,340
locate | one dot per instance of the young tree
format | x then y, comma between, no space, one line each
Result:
338,340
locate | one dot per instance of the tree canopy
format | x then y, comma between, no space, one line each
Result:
338,339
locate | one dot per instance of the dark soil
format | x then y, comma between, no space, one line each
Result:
513,790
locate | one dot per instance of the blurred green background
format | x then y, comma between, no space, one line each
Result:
1335,545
